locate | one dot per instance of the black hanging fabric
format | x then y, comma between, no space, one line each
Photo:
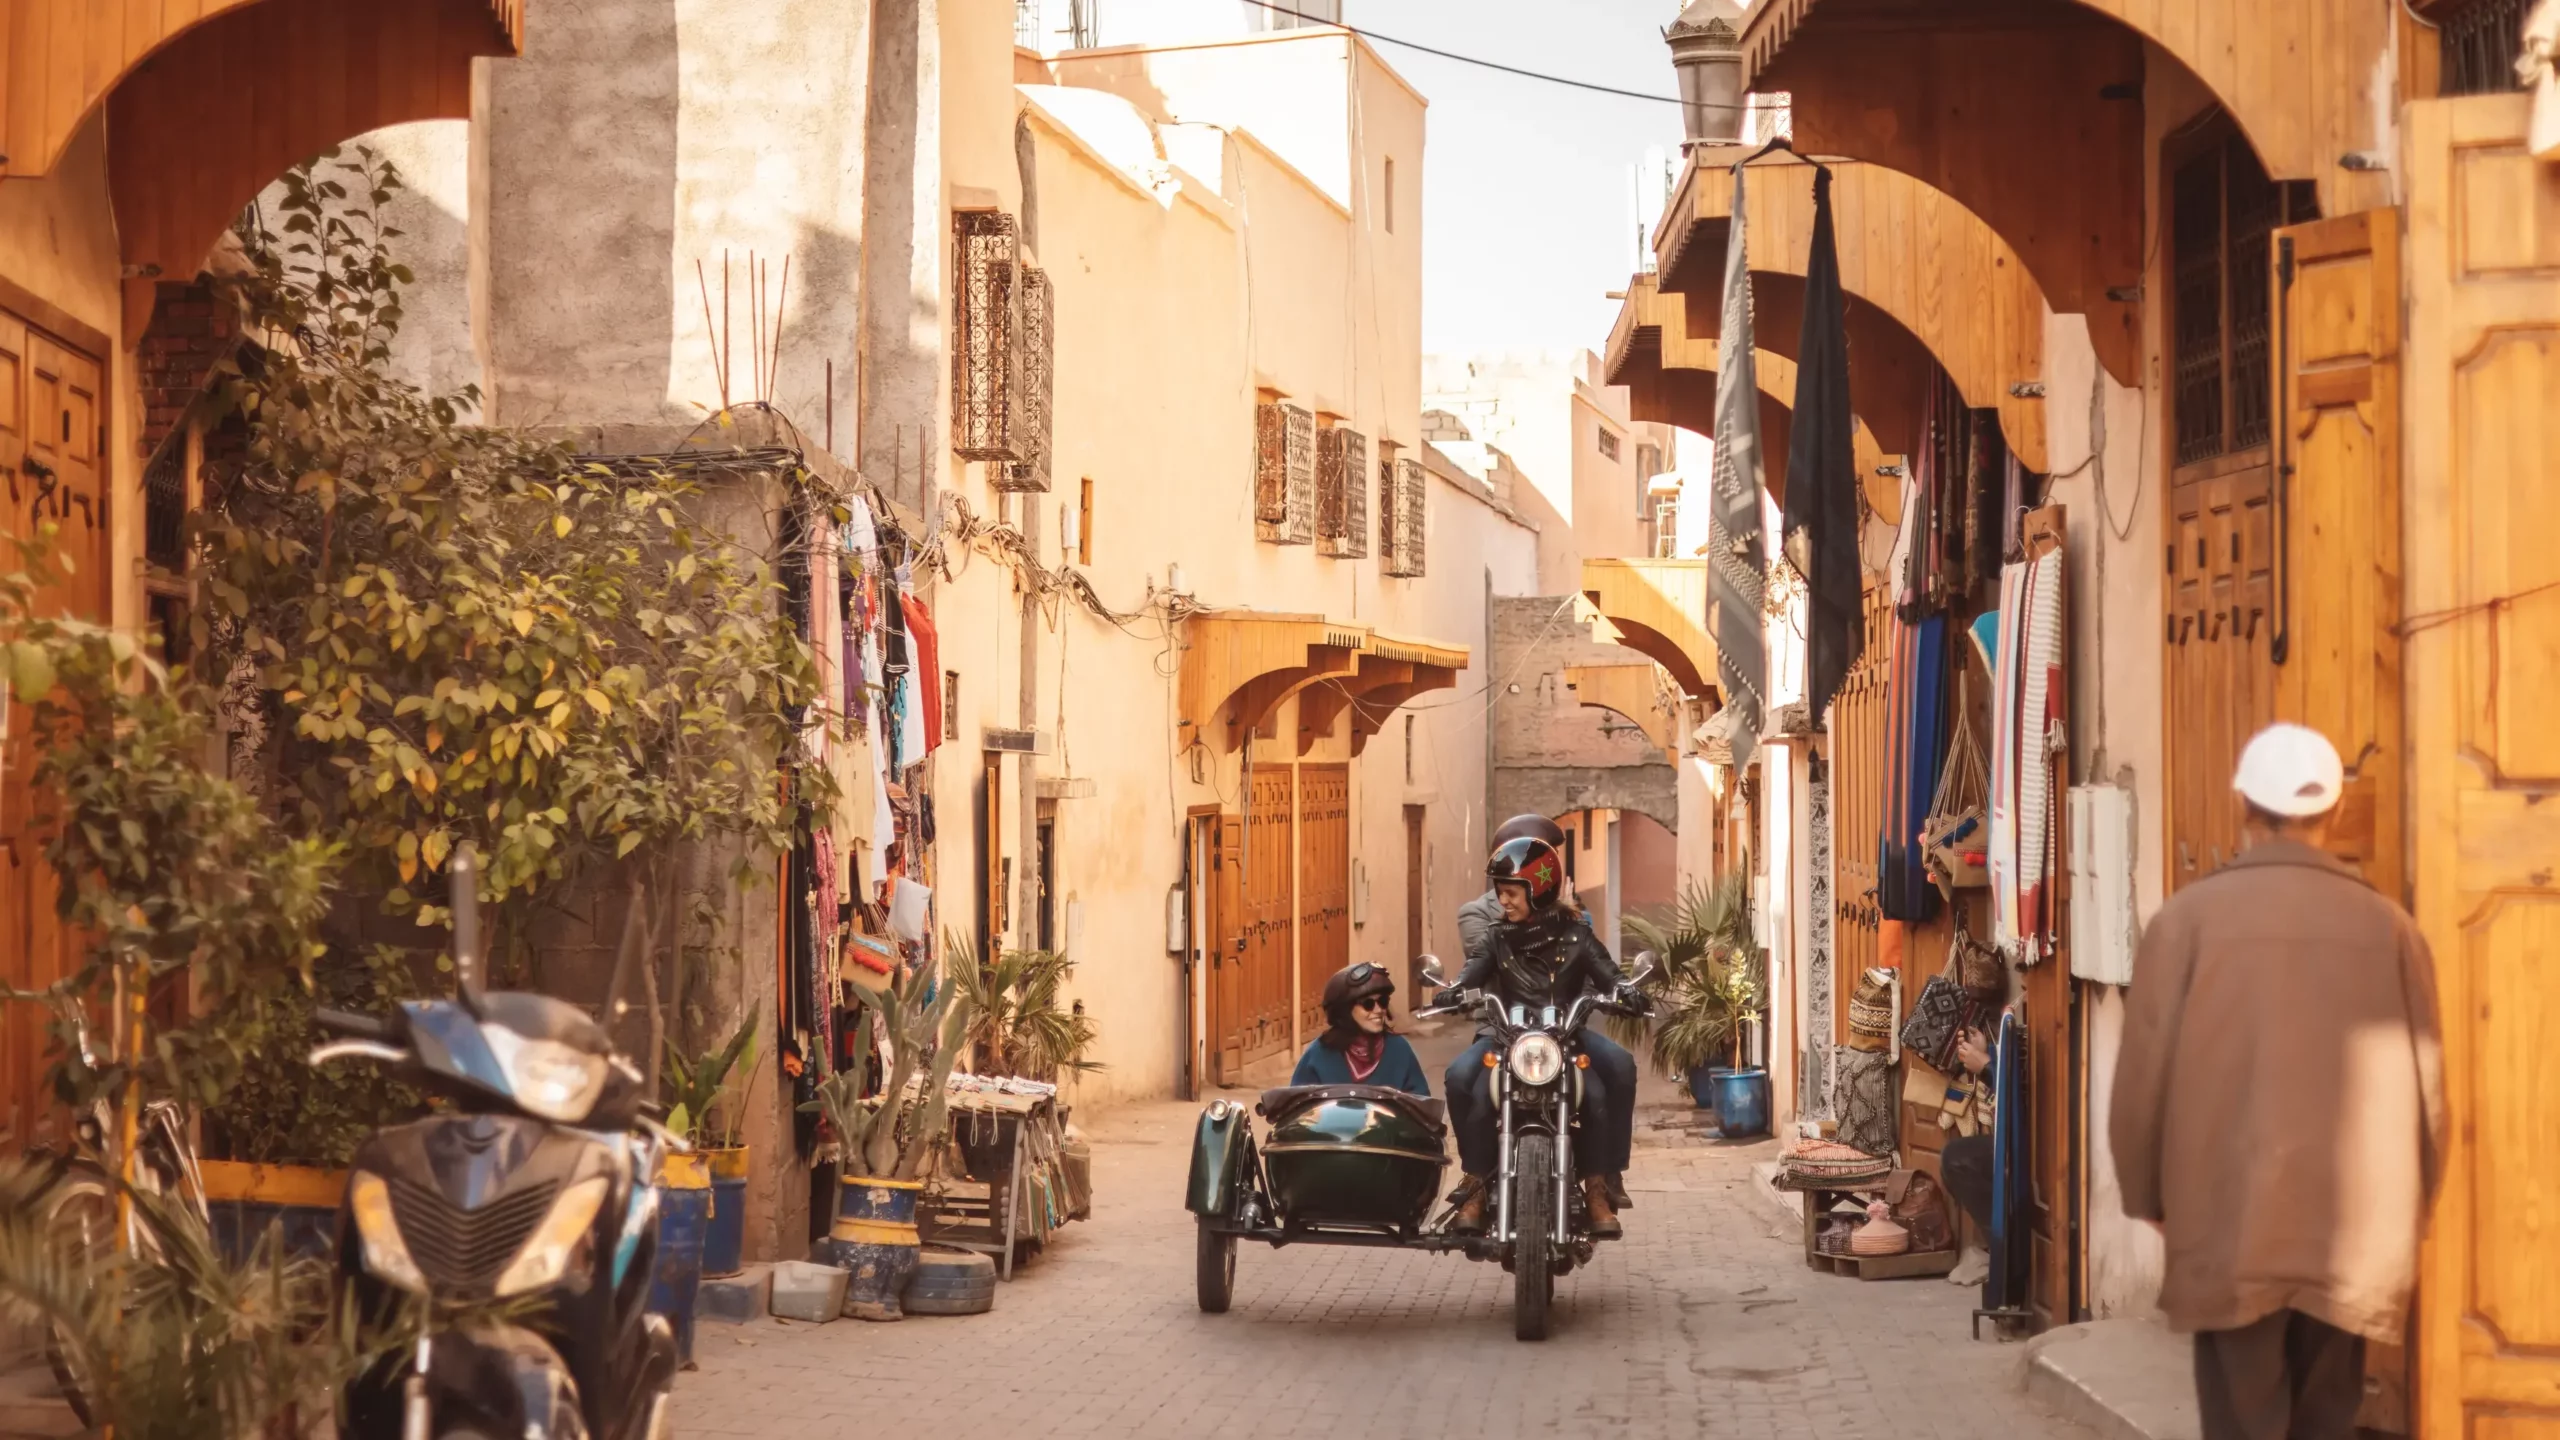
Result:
1821,520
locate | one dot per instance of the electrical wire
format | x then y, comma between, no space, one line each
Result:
1466,59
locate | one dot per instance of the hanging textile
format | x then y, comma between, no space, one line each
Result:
2012,1233
1821,520
1737,556
1916,744
2538,70
1917,553
2029,753
928,665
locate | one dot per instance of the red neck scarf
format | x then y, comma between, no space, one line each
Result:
1364,1053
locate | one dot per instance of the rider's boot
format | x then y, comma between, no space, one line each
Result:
1470,1217
1604,1216
1618,1198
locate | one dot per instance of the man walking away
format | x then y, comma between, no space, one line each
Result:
2279,1109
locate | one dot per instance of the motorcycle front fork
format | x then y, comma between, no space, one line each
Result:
1564,1181
414,1417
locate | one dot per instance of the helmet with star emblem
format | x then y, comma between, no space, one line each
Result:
1530,862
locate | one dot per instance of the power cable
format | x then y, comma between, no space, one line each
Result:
1465,59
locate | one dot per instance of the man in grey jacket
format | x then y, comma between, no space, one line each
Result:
1611,1065
2279,1109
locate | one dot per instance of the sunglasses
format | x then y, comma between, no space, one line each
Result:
1373,1002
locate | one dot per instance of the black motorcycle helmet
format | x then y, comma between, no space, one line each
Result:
1532,862
1350,985
1536,827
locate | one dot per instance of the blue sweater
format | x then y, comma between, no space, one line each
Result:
1398,1069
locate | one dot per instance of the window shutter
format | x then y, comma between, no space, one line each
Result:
1342,492
1032,432
1284,473
1400,494
986,363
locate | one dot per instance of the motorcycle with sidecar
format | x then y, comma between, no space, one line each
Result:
1362,1164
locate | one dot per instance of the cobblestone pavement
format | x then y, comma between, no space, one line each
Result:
1704,1321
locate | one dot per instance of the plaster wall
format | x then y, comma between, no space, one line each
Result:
635,140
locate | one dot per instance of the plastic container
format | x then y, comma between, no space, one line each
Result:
1742,1104
802,1291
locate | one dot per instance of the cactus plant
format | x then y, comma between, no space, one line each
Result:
890,1135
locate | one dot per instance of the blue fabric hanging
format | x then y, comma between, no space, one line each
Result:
1903,891
2012,1232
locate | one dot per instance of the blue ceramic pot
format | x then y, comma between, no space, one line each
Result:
1742,1103
874,1237
684,1220
1702,1084
724,1247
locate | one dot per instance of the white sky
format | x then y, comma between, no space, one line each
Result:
1525,211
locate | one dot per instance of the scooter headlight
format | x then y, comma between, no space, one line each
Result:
386,1255
1536,1059
553,1081
546,1256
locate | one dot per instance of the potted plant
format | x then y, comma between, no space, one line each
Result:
704,1108
1016,1024
1706,957
883,1140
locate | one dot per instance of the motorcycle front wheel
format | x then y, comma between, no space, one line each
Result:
1533,1223
80,1215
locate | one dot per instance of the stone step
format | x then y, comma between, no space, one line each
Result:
2123,1379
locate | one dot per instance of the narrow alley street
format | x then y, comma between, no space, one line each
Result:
1703,1321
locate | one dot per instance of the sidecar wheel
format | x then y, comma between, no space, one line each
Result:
1217,1270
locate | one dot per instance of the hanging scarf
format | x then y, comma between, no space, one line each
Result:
1822,520
1737,557
1364,1053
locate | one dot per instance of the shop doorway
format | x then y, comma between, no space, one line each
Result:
1413,903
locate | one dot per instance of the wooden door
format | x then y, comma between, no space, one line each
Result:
2482,547
1269,911
2219,632
51,451
1217,871
1857,798
1324,886
2337,286
1414,900
2053,1093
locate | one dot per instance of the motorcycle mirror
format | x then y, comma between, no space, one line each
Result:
1647,966
464,875
1428,967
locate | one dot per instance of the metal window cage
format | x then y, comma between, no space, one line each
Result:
1039,313
164,505
1284,473
986,360
1342,492
1403,493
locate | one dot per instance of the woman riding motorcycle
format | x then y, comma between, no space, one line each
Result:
1540,955
1358,1046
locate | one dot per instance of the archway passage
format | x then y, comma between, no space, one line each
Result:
1930,286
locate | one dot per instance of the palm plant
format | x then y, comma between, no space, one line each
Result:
1018,1026
1709,980
695,1083
172,1339
890,1135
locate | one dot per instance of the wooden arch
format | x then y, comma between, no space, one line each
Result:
1931,266
1670,375
210,111
1660,610
1239,666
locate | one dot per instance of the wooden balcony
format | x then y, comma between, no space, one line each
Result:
1936,282
1670,375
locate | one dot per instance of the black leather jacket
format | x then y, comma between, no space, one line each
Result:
1550,959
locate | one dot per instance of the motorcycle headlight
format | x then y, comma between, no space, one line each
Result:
386,1255
1536,1059
554,1081
545,1257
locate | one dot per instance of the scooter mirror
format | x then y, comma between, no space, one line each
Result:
1647,967
464,875
1428,967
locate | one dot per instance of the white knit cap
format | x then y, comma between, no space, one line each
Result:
2290,770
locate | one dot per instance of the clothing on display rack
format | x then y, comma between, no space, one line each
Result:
1916,693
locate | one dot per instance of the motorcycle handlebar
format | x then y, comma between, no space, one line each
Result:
351,1025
